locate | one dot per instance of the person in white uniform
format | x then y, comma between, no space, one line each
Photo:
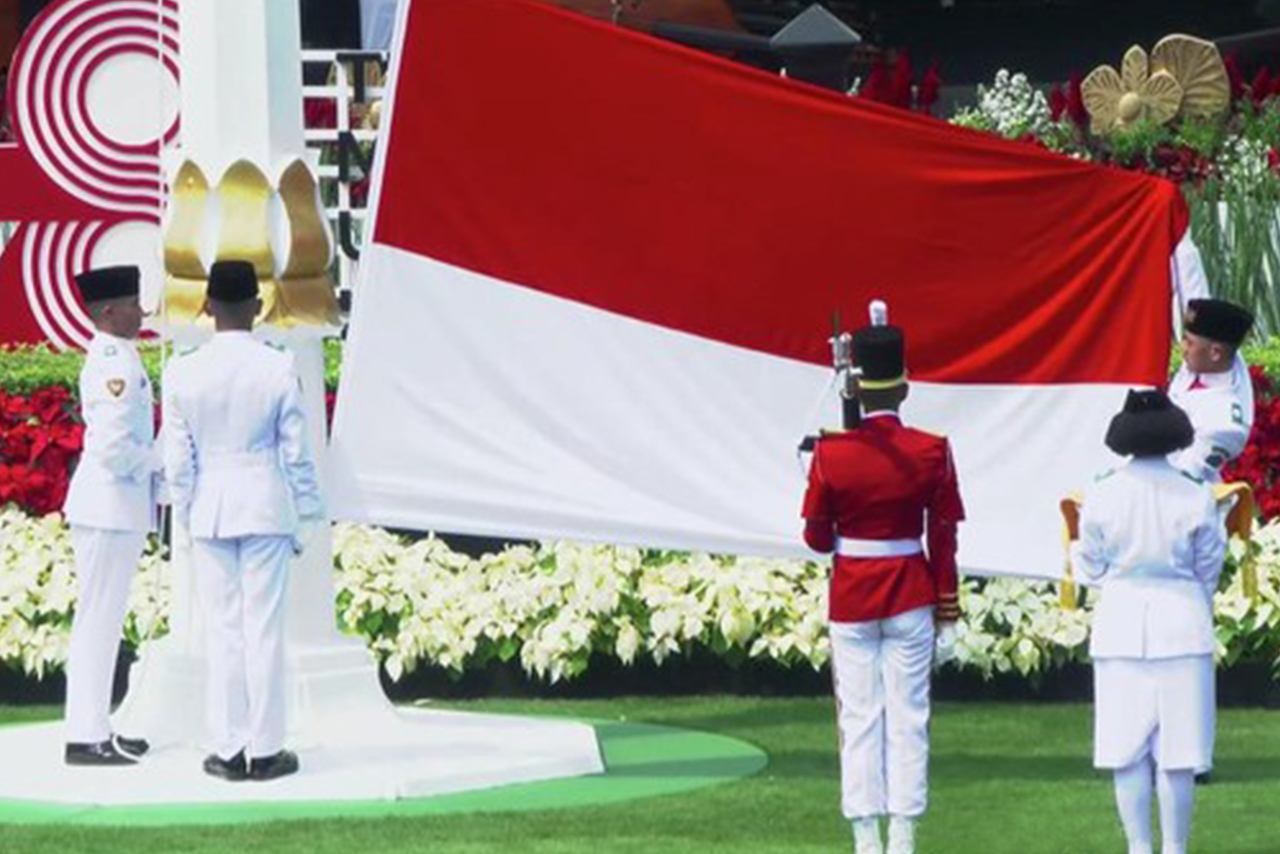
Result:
243,482
110,506
1212,386
1150,535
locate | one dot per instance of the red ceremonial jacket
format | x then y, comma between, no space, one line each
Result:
885,481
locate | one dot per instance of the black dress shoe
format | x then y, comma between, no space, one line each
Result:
1204,778
280,764
234,769
100,753
133,746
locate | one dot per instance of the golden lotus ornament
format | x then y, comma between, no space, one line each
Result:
278,228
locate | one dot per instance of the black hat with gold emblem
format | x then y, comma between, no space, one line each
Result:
880,352
1150,425
1218,320
232,281
109,283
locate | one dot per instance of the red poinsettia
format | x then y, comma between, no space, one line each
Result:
876,87
1235,77
1057,102
1259,464
40,437
927,93
900,85
1180,163
1076,110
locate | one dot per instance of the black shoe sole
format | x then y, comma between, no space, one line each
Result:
88,762
229,776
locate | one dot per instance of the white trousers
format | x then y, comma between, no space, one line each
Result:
242,585
105,564
881,674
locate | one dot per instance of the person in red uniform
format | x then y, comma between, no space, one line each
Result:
874,492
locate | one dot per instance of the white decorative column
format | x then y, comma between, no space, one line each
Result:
243,187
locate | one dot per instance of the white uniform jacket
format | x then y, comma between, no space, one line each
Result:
112,487
1220,407
1150,535
235,450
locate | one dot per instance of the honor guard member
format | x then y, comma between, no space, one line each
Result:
111,508
1149,534
243,482
1213,386
873,492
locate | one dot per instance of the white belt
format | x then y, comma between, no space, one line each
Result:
848,547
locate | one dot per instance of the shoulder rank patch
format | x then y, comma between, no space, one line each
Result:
1189,476
1104,475
116,386
275,345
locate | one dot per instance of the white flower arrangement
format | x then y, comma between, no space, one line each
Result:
555,606
1010,107
1244,164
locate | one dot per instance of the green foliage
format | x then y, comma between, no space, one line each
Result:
1134,144
23,369
1201,135
1235,227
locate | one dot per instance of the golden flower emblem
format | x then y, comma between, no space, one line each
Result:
1183,75
1117,99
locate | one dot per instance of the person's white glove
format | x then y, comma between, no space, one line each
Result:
946,643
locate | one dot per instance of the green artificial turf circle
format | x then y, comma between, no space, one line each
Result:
641,760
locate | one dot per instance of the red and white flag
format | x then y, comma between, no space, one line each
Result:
601,275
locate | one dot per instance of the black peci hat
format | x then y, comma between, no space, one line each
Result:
1218,320
1150,425
109,283
880,352
232,281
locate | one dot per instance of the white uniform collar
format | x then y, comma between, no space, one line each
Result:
1150,463
1221,379
105,339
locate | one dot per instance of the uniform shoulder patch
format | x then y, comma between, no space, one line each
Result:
276,345
1101,476
1191,477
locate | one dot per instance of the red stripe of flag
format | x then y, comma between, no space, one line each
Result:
599,165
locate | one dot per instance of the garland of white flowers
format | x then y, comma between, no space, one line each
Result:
556,606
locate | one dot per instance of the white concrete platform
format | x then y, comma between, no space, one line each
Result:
394,755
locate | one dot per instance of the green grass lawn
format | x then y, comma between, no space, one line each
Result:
1005,778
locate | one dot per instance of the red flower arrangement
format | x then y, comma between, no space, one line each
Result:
40,437
1259,464
898,87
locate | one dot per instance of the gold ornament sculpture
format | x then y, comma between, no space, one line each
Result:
302,294
1184,75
